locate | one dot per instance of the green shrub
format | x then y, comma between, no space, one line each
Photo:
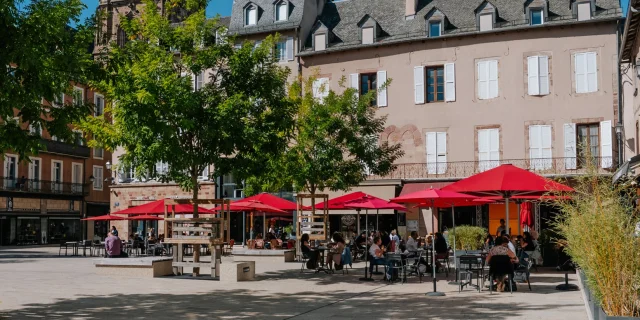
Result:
598,224
468,237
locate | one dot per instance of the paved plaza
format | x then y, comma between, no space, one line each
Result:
37,283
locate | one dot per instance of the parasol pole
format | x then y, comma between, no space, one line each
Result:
435,292
455,258
358,222
377,224
244,228
366,251
264,225
506,202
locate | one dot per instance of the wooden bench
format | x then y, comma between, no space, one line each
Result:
146,267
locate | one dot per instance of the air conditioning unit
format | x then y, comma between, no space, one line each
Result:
238,193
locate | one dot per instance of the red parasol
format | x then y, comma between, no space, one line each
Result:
271,200
338,202
526,214
145,217
371,202
106,217
157,207
508,181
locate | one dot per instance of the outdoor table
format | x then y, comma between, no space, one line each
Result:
74,247
481,258
321,264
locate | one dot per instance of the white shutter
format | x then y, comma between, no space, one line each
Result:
543,63
441,149
592,72
252,16
354,81
450,82
493,79
483,149
581,72
382,91
570,151
418,84
533,77
483,80
546,147
321,88
290,48
495,144
606,144
205,174
282,11
535,150
316,88
432,152
257,44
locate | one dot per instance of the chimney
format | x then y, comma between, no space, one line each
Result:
410,9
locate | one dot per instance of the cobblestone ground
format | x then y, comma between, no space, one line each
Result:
37,283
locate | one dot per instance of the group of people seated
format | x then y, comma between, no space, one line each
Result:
335,258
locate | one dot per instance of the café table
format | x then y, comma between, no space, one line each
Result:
321,264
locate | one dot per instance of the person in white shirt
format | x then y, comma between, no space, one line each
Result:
377,254
412,244
510,244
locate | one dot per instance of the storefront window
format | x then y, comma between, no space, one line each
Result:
64,230
100,229
28,231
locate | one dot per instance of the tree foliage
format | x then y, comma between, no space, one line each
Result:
40,57
335,143
238,118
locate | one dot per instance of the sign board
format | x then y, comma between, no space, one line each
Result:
412,225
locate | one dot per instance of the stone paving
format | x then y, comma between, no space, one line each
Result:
37,283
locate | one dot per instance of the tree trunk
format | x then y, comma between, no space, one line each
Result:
196,247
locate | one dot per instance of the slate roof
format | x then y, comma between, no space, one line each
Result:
266,17
342,18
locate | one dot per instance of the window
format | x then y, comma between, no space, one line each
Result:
78,95
35,129
538,75
435,28
54,138
10,170
251,15
584,11
78,138
98,153
488,149
488,79
282,11
35,173
205,174
126,174
281,51
436,152
76,177
540,152
321,88
588,143
98,100
98,178
537,17
56,176
368,83
486,22
586,72
320,42
162,168
58,100
367,35
121,37
198,81
435,84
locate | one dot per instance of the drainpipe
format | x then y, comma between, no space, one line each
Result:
620,123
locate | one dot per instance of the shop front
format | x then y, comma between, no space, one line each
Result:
38,229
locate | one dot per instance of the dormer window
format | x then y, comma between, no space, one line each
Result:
486,15
536,16
584,11
282,11
251,15
486,22
321,37
319,42
367,35
369,30
435,28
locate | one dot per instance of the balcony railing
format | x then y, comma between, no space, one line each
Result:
31,186
66,149
463,169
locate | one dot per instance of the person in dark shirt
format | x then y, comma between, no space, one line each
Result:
114,231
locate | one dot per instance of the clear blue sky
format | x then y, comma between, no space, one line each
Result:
222,7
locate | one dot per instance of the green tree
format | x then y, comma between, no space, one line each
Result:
165,111
335,143
40,57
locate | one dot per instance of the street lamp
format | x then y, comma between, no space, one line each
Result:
92,179
108,165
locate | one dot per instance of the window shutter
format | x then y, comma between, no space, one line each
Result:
570,152
606,144
546,146
316,88
483,83
493,79
581,72
592,72
290,48
533,77
382,91
432,152
543,62
483,145
441,149
354,81
418,84
257,44
450,82
535,151
495,145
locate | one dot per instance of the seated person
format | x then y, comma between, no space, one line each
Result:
259,242
527,242
308,252
335,254
267,241
412,242
377,256
501,249
112,246
361,239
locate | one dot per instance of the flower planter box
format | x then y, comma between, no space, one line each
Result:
594,310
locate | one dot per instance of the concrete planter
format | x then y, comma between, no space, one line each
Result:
594,310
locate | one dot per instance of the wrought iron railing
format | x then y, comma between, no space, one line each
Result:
20,185
59,147
463,169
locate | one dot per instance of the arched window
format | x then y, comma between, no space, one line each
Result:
251,15
282,11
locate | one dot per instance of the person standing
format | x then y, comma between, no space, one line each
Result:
501,228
